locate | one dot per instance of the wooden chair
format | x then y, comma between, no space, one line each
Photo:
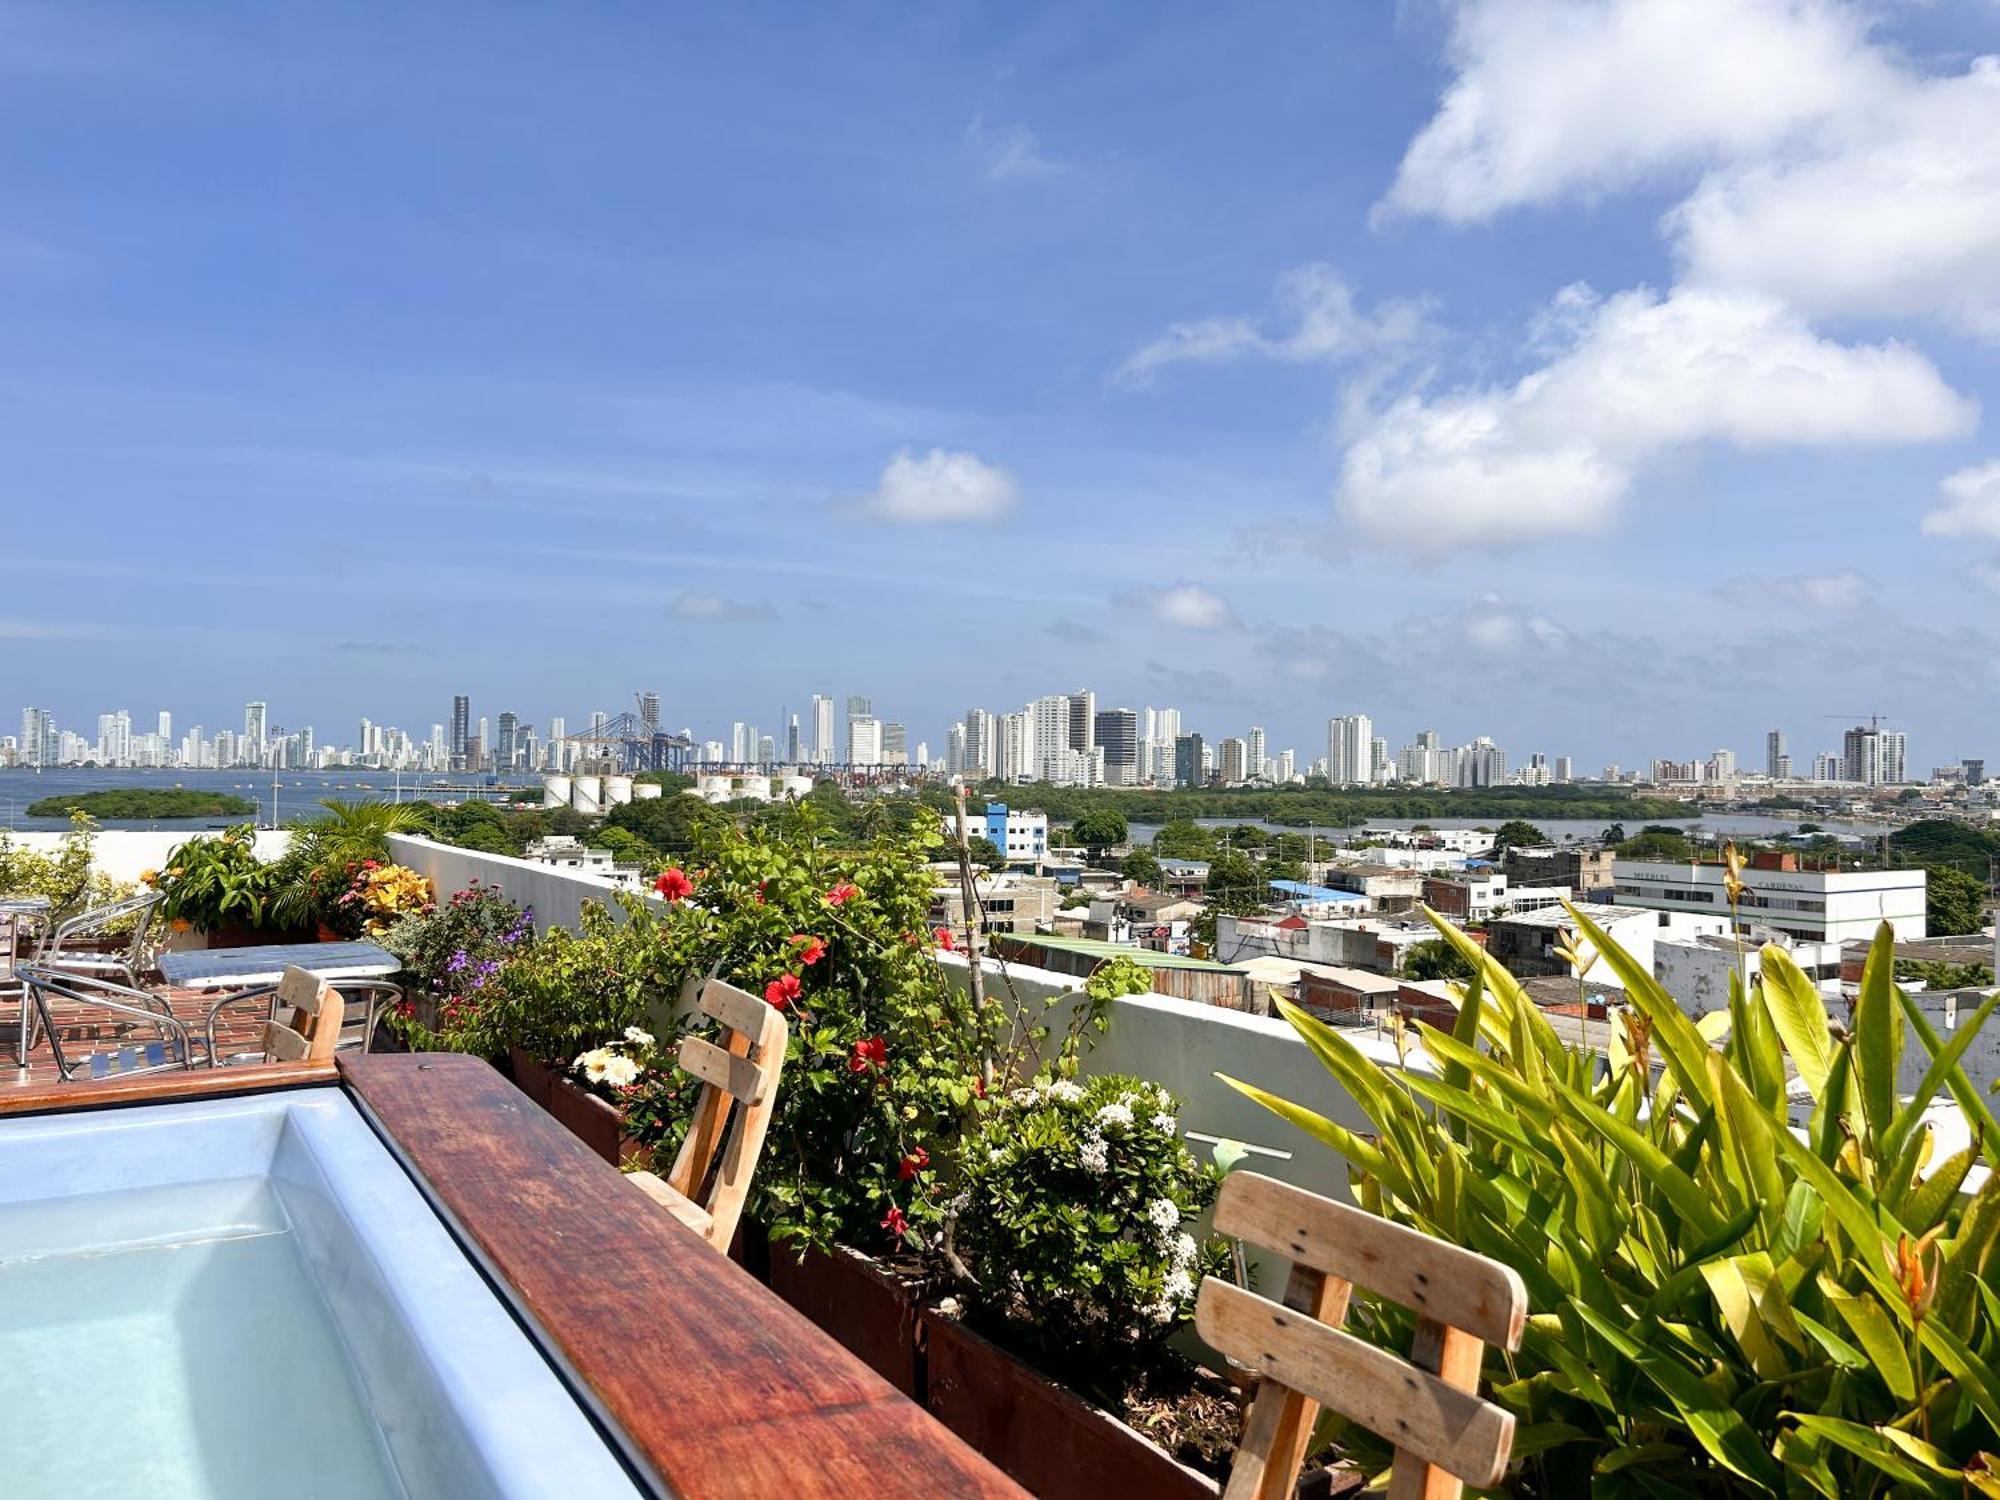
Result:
1428,1406
306,1013
739,1079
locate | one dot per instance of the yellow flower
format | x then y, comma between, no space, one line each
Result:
1732,877
1915,1266
1574,953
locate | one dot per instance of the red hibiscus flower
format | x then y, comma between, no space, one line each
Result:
871,1053
782,991
912,1164
674,884
811,951
979,1088
841,894
895,1223
944,939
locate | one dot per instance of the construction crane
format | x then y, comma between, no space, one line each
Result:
626,744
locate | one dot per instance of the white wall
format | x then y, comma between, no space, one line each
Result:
557,895
124,853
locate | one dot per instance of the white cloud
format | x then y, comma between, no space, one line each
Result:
1824,169
1318,321
1632,377
1972,503
1554,100
1833,593
938,487
700,604
1986,575
1191,607
1010,153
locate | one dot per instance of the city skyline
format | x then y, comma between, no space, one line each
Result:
1373,356
1062,737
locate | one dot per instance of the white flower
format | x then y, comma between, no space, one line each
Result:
1093,1156
637,1037
1065,1092
1163,1215
1025,1098
959,1204
1114,1117
950,1307
1183,1252
593,1063
1178,1287
619,1071
1160,1312
996,1154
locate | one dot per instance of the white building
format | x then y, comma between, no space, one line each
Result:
1350,749
1695,970
1830,906
822,729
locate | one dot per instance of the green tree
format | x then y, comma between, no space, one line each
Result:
1099,829
669,823
1954,902
1657,842
1183,838
1434,958
1142,865
985,852
1233,883
1614,835
1517,832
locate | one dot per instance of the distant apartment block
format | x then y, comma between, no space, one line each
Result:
1805,904
1582,870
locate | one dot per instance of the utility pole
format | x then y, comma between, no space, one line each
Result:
969,902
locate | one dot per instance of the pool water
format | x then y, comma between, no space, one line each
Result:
173,1343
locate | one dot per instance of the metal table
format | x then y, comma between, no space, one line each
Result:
242,971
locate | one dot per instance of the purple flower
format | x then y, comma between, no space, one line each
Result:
456,962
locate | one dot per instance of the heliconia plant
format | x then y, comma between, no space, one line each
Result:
1752,1268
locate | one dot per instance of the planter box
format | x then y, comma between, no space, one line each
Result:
1049,1439
590,1119
861,1303
531,1076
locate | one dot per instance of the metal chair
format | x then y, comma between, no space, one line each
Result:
356,1032
1427,1406
129,1008
55,937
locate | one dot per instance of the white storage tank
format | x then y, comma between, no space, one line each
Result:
555,791
617,790
756,786
712,788
645,791
588,796
798,786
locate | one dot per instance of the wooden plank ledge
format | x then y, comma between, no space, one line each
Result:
717,1387
50,1094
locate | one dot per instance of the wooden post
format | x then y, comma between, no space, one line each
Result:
1454,1356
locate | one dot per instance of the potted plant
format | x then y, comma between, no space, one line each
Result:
452,954
620,1098
1072,1227
317,881
215,885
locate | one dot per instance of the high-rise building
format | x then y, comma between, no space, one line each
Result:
505,748
1722,766
1190,757
1116,733
1083,720
822,729
1015,758
792,741
864,740
895,744
38,737
255,733
955,763
1874,756
461,730
1233,757
1050,730
649,712
980,756
742,748
1253,752
1350,749
1777,764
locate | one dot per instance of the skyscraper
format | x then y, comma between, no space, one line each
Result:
864,740
461,730
254,733
1116,731
504,747
1189,755
1777,764
1350,749
1083,720
1253,751
792,744
895,744
38,737
1233,762
649,712
822,728
981,754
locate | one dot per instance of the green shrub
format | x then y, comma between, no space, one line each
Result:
1720,1303
217,881
1073,1218
64,878
451,955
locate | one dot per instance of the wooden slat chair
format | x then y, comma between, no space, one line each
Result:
1428,1406
726,1135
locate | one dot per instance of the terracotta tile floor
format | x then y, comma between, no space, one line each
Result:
85,1031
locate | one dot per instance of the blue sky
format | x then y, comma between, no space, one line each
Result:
1615,379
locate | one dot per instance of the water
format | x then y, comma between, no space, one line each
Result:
171,1343
299,792
1748,825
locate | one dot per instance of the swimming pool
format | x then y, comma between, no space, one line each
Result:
249,1297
